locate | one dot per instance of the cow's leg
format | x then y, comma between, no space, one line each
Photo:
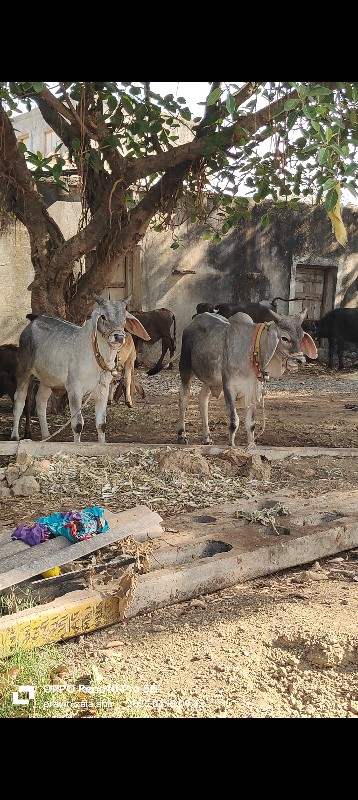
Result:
330,353
138,348
112,388
128,385
30,399
77,422
203,401
19,403
233,419
340,346
184,397
42,396
250,425
161,359
172,348
100,408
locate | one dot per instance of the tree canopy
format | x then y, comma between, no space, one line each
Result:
141,157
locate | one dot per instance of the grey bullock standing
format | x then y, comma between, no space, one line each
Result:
80,359
237,356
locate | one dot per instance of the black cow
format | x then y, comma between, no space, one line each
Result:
257,311
338,326
158,324
202,307
9,357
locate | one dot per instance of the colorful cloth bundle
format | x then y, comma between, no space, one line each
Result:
74,525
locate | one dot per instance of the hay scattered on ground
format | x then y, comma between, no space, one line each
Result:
134,479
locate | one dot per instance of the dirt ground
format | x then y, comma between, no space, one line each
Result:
283,646
306,409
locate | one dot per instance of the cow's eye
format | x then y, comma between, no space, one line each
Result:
285,338
103,318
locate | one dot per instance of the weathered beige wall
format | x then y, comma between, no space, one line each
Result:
16,270
251,263
16,274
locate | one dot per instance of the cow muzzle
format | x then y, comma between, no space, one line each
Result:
116,338
293,362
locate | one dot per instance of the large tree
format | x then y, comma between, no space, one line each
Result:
269,140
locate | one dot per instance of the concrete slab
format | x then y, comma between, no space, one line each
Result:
199,553
18,561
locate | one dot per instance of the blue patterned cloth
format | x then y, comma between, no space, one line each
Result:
74,525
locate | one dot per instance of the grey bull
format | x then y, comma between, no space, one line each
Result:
79,359
237,356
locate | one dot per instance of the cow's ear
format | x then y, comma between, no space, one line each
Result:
98,299
135,327
94,316
303,314
268,344
308,346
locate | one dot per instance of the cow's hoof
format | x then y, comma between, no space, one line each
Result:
182,439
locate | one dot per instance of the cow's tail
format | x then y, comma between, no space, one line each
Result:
160,367
174,333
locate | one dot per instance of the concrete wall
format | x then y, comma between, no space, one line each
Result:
250,263
32,123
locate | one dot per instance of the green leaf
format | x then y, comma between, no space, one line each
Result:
230,104
322,156
22,147
113,140
111,102
290,104
320,90
329,184
186,114
330,200
351,169
38,87
214,96
127,105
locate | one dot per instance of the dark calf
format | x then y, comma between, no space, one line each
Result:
9,354
338,326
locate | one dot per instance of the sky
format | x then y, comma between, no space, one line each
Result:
191,90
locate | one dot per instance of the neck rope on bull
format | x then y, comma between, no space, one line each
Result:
255,363
109,365
255,352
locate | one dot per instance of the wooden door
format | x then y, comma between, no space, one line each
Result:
314,290
127,281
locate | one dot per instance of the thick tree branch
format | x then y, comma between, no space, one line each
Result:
55,121
20,191
119,241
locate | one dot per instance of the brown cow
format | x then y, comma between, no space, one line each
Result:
125,384
158,325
